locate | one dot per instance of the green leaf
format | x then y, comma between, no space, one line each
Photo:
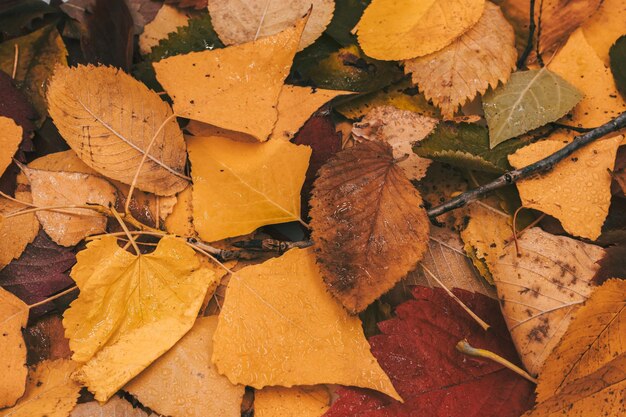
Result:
617,56
39,53
20,15
346,16
466,145
529,100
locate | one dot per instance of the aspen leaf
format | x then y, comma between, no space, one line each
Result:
318,342
184,382
14,315
217,84
239,187
18,231
10,138
481,58
605,26
542,288
108,118
369,226
401,29
577,191
115,407
166,21
50,391
239,21
291,402
131,309
529,100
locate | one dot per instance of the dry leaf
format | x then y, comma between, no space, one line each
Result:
10,138
131,309
401,129
291,402
184,382
605,26
369,226
217,84
394,30
14,315
279,326
16,232
239,186
50,391
167,20
247,20
109,119
55,189
115,407
180,221
484,56
578,189
542,288
46,340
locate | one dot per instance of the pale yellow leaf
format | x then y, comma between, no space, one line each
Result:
18,231
115,407
166,21
10,138
605,26
291,402
13,317
280,326
239,186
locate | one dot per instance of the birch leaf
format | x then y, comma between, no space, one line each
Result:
529,100
481,58
241,21
108,118
217,83
394,30
115,329
291,402
541,289
10,138
239,186
14,315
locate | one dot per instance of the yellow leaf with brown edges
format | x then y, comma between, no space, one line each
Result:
604,27
10,138
13,317
131,309
50,391
280,326
405,29
291,402
235,88
481,58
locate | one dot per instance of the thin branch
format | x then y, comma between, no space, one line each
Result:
521,63
54,297
464,347
15,59
271,245
540,167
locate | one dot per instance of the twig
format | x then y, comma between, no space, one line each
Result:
464,347
574,128
542,166
271,245
531,35
15,59
54,297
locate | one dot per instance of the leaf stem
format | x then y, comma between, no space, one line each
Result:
15,59
54,297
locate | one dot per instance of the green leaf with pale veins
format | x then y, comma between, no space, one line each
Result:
617,55
529,100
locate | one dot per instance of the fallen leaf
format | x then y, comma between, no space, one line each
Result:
577,191
541,288
593,339
18,231
58,189
180,221
196,4
46,340
417,349
50,391
605,26
14,315
291,402
143,12
481,58
401,129
617,55
612,265
15,105
20,15
529,100
242,21
115,407
117,330
185,383
217,83
10,138
392,30
239,186
167,20
369,226
318,342
118,117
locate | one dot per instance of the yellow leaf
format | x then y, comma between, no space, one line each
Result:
405,29
167,20
50,391
115,407
108,118
578,190
280,326
239,187
579,65
131,309
14,316
605,26
542,288
239,21
481,58
217,86
184,382
18,231
180,221
10,138
291,402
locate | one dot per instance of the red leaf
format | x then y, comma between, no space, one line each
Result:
612,265
417,350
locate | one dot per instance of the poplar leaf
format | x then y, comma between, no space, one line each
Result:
291,402
14,316
529,100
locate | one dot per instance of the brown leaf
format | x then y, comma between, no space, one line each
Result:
196,4
46,340
369,226
612,264
14,315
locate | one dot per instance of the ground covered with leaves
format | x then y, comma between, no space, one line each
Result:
312,208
